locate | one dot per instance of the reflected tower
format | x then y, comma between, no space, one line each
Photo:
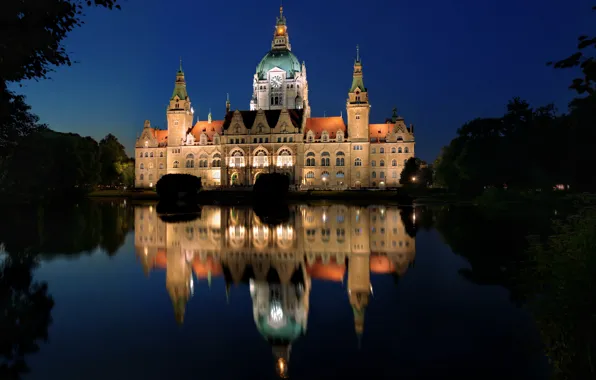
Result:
280,311
178,282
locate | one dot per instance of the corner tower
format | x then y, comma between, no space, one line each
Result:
179,112
358,107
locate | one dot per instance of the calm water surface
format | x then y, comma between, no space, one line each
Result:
335,291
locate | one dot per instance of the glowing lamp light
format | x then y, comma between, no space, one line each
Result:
280,30
413,179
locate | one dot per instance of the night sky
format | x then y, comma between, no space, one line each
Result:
440,62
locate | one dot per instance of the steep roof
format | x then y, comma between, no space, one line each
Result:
330,124
210,129
378,132
272,116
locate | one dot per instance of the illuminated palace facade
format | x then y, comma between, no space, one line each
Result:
278,263
277,134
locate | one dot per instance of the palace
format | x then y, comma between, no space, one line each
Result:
277,134
325,243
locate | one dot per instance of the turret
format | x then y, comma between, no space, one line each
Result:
357,104
179,113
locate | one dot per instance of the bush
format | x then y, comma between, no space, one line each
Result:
178,186
272,187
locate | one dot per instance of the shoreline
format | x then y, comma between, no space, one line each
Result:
405,196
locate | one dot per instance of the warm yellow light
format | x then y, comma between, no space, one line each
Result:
280,30
414,179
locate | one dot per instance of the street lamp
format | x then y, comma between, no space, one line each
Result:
413,179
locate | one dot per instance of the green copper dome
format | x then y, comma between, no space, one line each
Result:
284,59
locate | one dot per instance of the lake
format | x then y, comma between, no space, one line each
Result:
329,291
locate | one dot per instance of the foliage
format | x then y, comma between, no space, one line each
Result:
174,186
49,164
32,35
518,150
564,284
585,62
113,160
16,121
271,186
25,314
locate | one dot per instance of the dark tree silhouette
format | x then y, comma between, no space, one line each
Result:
25,314
585,60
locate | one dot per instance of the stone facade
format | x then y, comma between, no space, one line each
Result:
277,134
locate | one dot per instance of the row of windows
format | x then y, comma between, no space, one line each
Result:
288,86
393,150
284,139
339,136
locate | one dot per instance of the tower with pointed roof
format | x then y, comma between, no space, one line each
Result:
359,288
280,78
179,112
358,107
178,282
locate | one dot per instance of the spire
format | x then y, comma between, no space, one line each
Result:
357,81
209,121
281,40
180,85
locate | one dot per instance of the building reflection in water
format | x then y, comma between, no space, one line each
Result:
278,263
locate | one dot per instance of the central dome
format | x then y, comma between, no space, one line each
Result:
284,59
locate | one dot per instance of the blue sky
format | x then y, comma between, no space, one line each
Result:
440,62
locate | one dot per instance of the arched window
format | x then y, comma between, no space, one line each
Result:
393,162
393,150
151,154
325,175
373,163
175,164
406,150
142,166
399,150
216,163
284,158
340,174
146,154
203,161
382,163
203,139
340,159
260,159
310,137
190,161
358,162
141,155
374,174
161,166
310,159
141,177
382,150
308,175
161,154
339,136
325,159
237,159
325,136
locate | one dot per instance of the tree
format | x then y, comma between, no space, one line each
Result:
409,175
25,314
112,157
583,60
51,164
32,35
16,121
